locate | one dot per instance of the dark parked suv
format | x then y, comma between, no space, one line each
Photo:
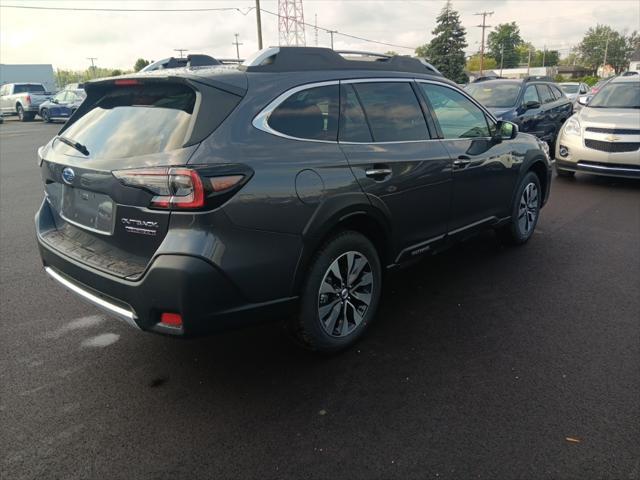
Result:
535,104
190,201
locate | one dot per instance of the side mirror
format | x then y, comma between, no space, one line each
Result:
584,99
531,104
53,100
505,131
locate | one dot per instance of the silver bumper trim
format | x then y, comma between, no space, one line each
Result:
121,313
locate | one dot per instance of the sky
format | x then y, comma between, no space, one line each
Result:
67,38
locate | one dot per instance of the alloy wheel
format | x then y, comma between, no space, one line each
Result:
528,209
345,294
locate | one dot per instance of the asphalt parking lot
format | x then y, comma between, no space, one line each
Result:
484,362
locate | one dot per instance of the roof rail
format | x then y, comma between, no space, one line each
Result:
293,59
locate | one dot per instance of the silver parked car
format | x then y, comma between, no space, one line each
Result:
604,137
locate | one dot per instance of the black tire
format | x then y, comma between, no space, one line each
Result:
45,115
521,226
21,114
353,316
565,173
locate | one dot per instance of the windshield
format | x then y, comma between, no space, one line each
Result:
618,95
28,88
133,121
495,95
569,88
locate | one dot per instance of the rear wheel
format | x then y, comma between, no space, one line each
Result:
525,212
46,117
20,111
341,294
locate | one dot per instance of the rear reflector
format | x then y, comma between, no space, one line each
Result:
171,319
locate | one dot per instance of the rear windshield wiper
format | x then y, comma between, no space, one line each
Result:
73,144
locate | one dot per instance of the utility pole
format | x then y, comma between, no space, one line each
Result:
316,29
529,62
259,23
544,55
180,50
93,67
484,26
331,32
606,50
501,57
237,44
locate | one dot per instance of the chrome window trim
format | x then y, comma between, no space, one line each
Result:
261,120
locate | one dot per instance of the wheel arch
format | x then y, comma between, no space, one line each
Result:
353,211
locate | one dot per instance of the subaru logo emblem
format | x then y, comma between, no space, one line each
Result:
68,175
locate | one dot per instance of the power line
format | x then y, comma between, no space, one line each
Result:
244,12
97,9
180,50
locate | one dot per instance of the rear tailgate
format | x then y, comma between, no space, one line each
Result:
92,216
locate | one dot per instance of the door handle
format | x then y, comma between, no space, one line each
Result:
462,161
378,173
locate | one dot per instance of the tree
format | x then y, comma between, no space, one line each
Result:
473,63
550,58
602,38
446,49
505,39
116,73
140,64
391,53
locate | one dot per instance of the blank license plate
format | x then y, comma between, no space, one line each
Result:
94,211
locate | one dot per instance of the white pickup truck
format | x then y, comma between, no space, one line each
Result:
22,99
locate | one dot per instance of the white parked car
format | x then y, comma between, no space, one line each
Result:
604,137
573,90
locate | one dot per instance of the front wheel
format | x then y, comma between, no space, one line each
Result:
525,212
341,294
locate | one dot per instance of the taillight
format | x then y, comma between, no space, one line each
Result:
176,188
125,82
28,99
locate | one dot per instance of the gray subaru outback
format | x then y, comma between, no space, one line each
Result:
194,200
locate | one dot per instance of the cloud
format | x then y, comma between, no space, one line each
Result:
66,39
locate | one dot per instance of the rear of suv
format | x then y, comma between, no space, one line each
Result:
190,201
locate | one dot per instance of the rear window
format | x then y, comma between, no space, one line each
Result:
134,121
495,95
28,88
309,114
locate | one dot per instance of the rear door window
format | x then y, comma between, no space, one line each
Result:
393,111
556,92
545,94
353,123
310,114
134,120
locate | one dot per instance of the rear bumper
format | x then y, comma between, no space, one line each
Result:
190,286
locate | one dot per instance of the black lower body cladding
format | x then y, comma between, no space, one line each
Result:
205,277
207,301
